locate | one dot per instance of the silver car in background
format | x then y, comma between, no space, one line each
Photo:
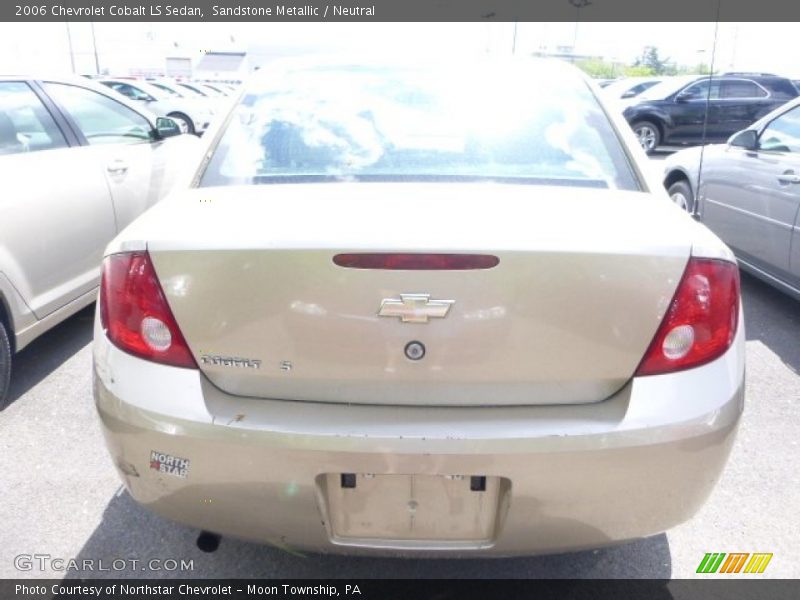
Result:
748,193
77,165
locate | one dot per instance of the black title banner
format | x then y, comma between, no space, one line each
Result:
391,589
400,10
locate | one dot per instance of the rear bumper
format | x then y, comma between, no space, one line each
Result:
572,476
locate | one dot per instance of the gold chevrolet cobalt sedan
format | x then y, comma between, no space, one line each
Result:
431,309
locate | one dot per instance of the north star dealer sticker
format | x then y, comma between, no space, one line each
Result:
171,465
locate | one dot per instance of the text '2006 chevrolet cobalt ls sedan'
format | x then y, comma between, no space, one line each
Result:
420,309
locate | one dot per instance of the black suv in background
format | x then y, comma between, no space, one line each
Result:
674,111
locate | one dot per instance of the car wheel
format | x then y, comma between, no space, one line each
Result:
184,123
648,135
681,194
5,365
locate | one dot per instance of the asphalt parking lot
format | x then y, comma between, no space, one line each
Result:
61,495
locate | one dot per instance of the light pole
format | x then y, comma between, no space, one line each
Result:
578,4
514,41
94,45
71,51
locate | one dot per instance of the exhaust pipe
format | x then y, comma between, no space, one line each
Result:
208,542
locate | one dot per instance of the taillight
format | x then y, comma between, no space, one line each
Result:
701,321
135,314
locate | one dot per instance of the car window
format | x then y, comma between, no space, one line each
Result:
741,89
638,88
166,89
191,91
419,124
699,91
128,90
664,89
25,123
783,133
214,91
101,119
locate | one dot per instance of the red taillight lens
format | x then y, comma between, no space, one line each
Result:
700,324
135,314
416,262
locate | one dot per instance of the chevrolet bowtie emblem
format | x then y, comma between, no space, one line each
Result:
415,308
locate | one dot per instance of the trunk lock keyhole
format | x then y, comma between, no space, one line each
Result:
415,350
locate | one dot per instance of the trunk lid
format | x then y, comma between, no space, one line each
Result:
583,281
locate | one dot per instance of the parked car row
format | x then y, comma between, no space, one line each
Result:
192,105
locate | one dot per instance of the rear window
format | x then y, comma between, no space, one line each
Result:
781,87
503,123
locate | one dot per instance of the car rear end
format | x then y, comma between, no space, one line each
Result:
199,110
379,328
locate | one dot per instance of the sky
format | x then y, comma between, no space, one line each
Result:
44,47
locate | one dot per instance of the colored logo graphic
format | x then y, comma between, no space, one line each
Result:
736,562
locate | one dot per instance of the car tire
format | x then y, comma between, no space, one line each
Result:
5,365
648,134
681,194
184,123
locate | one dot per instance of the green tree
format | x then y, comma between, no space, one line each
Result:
599,69
634,71
647,65
651,60
698,69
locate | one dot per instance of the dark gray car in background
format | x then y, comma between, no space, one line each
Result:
700,109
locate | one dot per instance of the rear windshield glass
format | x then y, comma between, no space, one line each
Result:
493,122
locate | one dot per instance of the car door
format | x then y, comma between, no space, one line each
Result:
56,215
688,113
751,197
140,167
794,255
741,103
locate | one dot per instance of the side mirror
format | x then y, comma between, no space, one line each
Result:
628,94
685,96
166,127
747,139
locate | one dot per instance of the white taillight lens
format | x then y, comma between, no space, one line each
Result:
678,342
156,334
701,321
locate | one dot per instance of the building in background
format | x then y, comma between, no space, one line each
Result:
221,66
